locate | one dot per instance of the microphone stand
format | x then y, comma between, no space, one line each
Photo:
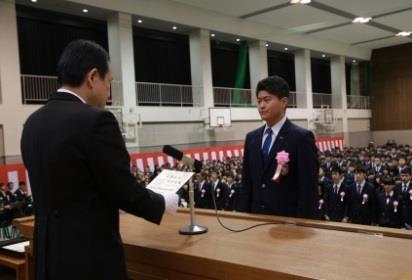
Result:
193,228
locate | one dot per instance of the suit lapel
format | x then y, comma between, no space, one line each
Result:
279,141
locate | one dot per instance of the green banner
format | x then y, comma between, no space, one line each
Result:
239,96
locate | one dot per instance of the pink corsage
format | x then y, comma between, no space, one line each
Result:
321,201
282,159
217,193
203,193
410,194
365,199
342,195
395,206
232,192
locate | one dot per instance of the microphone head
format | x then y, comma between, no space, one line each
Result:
174,153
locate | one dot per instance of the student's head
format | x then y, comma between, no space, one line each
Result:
388,183
337,174
272,96
84,67
406,175
360,174
22,185
213,176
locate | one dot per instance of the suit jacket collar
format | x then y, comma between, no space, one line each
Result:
63,96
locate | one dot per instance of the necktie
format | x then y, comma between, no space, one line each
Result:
404,188
266,144
335,188
359,189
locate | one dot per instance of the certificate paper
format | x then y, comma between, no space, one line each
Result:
169,181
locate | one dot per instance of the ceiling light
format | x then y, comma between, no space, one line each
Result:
174,27
354,61
323,55
85,10
139,21
404,33
305,1
362,20
267,45
237,40
300,1
212,35
34,1
285,49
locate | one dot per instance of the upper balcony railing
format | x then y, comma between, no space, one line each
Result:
160,94
36,90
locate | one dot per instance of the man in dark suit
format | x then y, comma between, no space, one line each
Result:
203,193
80,176
294,193
337,197
390,205
220,191
363,206
404,189
233,194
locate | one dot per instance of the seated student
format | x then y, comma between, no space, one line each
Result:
363,200
390,205
337,197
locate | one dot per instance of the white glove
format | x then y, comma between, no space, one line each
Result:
171,202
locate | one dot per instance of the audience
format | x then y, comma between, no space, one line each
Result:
369,186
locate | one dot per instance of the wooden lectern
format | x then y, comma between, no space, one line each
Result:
290,249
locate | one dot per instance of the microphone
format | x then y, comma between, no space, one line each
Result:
176,154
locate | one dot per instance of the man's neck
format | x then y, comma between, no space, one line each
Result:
272,123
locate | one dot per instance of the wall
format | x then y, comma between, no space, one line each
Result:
392,88
400,136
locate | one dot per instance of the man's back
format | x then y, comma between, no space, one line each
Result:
80,177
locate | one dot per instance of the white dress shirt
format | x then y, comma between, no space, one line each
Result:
275,131
72,93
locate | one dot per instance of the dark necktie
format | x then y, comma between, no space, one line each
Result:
335,188
266,144
359,189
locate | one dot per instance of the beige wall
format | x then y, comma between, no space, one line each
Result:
400,136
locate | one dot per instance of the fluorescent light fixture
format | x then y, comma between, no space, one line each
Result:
404,33
237,40
139,21
323,55
85,10
362,20
267,45
212,35
354,61
174,27
34,1
300,1
285,49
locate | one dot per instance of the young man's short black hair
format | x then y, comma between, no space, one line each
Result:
360,169
274,85
406,170
78,58
336,169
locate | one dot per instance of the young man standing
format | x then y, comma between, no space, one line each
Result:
282,148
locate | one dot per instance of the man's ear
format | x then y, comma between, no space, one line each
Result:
91,76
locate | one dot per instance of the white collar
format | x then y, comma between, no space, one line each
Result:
277,127
72,93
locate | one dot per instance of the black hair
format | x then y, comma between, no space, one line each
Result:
78,58
274,85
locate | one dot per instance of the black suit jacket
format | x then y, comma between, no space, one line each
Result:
80,177
220,193
203,196
366,213
388,216
337,203
296,195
